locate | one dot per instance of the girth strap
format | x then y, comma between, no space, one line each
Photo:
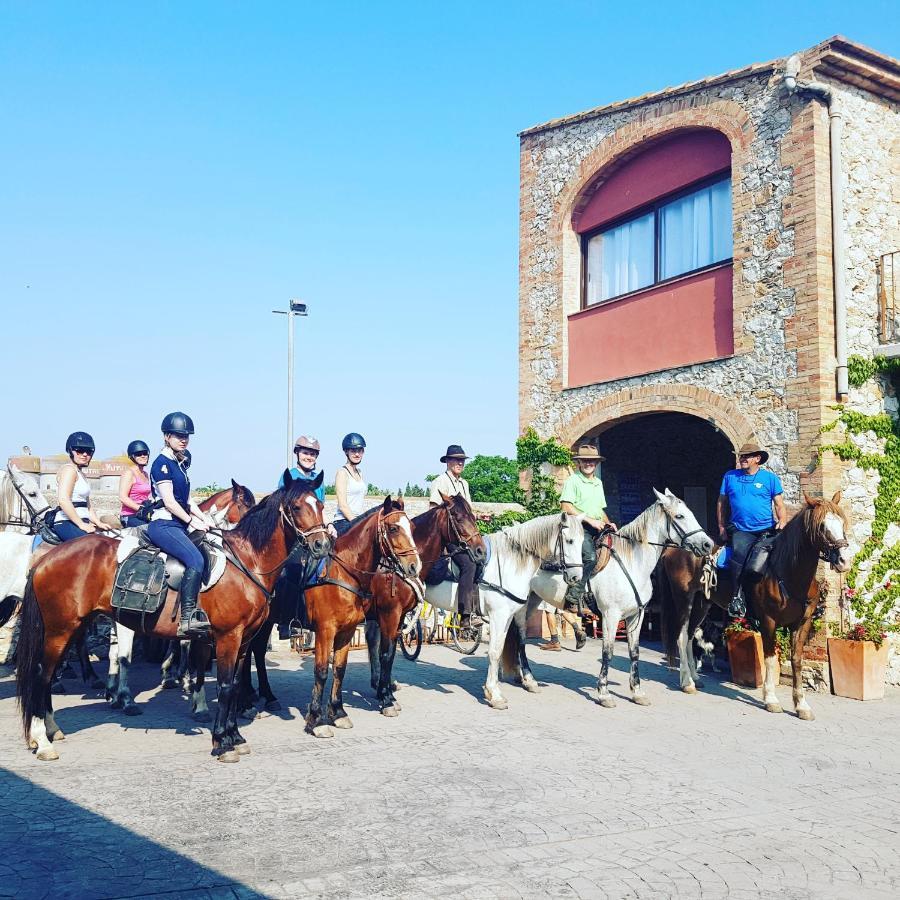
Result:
618,559
501,590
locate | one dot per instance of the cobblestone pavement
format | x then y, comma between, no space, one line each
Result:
696,796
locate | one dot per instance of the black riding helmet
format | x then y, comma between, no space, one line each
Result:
353,441
79,440
136,447
177,423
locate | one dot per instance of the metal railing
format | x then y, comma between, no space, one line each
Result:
889,297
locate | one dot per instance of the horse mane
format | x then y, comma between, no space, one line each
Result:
259,524
636,530
529,539
799,535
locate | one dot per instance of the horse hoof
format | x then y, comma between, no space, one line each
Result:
641,700
229,756
532,687
250,713
390,711
47,754
170,684
132,709
203,716
395,686
32,744
322,731
343,723
498,704
806,715
774,708
273,706
689,688
56,737
242,749
607,702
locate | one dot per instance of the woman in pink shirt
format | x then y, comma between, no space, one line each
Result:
134,487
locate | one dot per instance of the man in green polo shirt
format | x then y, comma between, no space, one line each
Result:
583,493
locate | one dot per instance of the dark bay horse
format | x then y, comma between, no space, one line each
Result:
73,582
786,596
442,529
378,544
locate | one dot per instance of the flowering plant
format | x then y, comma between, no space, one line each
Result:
737,626
866,631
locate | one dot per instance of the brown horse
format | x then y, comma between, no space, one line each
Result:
73,583
442,529
378,544
228,506
786,596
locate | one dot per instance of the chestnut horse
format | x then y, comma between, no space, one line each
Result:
379,544
447,528
228,506
73,582
786,596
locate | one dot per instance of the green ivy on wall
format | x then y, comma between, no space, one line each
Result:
870,604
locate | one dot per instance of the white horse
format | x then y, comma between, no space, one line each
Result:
516,554
20,500
622,588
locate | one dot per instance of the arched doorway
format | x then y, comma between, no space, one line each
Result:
662,450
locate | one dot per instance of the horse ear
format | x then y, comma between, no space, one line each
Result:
235,487
399,502
316,483
287,478
810,501
563,518
669,493
836,498
660,497
386,506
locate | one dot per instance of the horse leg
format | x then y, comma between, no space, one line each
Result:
499,617
168,680
336,713
798,642
317,723
604,698
390,707
117,688
374,648
42,729
199,653
88,675
525,676
224,725
633,631
246,702
770,698
258,645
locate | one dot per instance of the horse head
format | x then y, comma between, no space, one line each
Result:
826,527
395,537
304,513
462,528
688,535
570,538
242,501
29,489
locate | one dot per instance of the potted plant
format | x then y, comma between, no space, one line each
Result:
857,659
745,654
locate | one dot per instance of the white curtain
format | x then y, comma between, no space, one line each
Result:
620,260
695,231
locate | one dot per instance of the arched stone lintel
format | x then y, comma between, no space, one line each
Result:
692,400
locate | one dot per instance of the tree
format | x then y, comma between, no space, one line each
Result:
493,479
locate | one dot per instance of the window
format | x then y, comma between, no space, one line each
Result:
677,236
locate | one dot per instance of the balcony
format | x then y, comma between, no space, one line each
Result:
889,304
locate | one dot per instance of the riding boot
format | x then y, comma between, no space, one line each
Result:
193,622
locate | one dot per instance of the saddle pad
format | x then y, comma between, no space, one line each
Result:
134,538
723,557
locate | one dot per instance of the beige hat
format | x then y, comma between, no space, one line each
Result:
750,448
310,443
588,451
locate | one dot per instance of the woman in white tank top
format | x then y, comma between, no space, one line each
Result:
349,484
75,517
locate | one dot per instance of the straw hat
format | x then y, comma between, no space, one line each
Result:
750,448
588,451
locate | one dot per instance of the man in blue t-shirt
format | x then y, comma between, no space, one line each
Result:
750,508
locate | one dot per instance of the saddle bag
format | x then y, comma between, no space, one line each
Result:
441,571
140,584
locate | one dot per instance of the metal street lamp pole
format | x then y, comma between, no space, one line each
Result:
295,308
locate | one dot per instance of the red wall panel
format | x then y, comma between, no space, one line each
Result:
674,324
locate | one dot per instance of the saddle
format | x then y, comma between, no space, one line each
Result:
145,573
603,547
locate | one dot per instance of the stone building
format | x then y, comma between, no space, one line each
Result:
678,287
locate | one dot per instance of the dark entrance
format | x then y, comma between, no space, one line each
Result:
663,450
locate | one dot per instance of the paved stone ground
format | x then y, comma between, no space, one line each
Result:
704,796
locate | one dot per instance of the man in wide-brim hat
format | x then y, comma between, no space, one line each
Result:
448,484
583,494
750,509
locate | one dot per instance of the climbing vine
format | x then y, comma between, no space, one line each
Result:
873,601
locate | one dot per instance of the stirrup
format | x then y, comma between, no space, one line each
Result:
737,609
196,626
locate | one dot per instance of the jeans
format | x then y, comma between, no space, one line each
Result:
467,592
588,561
741,545
132,521
67,531
171,537
341,526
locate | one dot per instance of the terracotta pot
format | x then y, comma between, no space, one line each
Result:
857,668
745,655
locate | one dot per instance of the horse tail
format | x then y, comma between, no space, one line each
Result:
31,688
509,658
7,608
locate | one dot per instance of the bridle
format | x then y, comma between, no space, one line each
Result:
831,551
559,564
391,558
35,514
669,542
461,541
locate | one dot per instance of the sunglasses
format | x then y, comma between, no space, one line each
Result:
306,451
80,450
143,453
357,450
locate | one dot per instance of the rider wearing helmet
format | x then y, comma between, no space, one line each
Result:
169,527
307,451
134,487
349,484
75,517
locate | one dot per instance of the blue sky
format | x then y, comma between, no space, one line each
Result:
171,172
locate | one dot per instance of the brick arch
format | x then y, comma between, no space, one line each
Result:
695,401
724,116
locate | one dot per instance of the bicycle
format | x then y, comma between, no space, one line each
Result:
420,625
